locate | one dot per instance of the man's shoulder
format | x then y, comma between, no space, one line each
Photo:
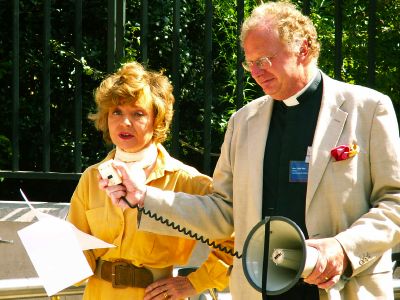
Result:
253,106
257,102
353,89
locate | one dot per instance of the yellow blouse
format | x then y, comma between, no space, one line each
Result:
92,212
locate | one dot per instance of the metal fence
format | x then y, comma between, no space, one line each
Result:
115,51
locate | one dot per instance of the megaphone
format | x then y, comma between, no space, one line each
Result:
289,258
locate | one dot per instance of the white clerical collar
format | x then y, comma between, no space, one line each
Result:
292,100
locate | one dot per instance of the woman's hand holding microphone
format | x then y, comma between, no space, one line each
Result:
132,187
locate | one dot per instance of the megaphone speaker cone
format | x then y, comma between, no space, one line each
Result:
287,255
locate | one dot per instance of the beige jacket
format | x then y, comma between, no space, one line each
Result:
356,200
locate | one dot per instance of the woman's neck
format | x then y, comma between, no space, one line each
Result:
141,159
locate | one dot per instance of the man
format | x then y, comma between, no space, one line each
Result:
348,204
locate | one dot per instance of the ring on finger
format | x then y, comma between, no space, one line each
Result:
166,295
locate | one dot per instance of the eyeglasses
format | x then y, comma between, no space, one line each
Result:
261,63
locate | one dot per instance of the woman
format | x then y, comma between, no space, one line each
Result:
134,112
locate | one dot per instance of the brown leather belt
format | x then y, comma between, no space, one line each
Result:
122,274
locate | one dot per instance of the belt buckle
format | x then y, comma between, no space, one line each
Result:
114,267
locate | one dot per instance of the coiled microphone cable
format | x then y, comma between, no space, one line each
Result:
183,230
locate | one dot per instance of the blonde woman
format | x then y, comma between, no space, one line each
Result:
134,112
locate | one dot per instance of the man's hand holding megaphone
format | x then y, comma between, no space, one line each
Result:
331,264
291,258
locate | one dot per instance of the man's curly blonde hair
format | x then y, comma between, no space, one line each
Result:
128,85
293,27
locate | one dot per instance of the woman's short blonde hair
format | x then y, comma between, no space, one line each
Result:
128,85
293,27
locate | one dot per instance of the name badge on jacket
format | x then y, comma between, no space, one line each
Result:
298,171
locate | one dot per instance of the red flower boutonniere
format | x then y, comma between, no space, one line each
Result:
343,152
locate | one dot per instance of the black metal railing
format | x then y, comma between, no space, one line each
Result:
115,52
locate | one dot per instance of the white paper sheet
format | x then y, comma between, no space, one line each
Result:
55,248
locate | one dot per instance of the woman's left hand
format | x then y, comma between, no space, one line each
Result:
173,288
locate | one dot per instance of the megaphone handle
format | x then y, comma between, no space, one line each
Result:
265,259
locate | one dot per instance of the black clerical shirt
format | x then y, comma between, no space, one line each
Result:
290,134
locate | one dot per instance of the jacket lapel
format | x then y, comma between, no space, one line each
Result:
258,125
330,125
331,121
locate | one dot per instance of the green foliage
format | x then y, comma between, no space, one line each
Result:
355,16
5,151
190,88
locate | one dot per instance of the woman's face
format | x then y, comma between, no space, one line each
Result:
131,125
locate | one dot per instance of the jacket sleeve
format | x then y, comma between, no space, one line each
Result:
210,215
212,273
378,230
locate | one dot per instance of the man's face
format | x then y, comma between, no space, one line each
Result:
285,74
